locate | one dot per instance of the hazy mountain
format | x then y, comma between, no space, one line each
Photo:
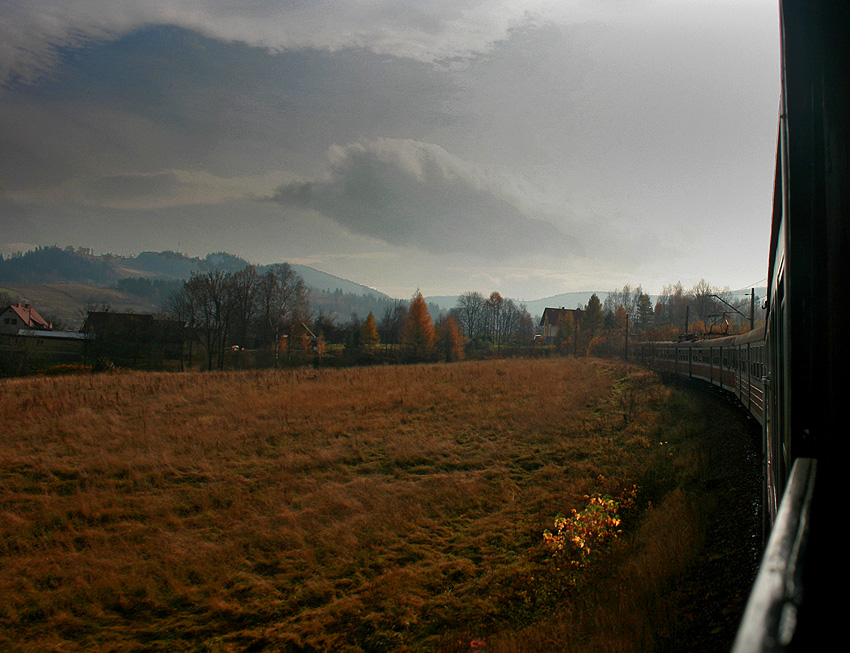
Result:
71,266
328,282
141,283
331,294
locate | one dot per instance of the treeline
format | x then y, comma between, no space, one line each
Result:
703,310
55,265
601,329
347,310
493,321
405,333
51,264
238,310
475,325
268,318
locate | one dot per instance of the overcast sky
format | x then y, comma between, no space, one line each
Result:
530,147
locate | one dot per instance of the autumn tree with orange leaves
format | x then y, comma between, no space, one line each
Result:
450,340
417,335
369,333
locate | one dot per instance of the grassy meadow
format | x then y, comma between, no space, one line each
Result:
384,508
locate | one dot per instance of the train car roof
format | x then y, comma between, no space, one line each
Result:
755,335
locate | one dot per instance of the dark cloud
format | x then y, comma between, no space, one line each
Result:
121,188
417,195
644,131
165,97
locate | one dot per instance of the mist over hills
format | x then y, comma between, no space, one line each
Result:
81,267
55,265
62,280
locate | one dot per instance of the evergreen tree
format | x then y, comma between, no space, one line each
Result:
592,321
645,313
593,318
564,341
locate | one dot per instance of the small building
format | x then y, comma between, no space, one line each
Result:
29,343
133,339
16,317
553,319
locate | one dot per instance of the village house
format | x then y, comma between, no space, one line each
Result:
553,318
16,317
28,342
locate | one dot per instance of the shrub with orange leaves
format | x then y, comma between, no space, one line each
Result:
581,534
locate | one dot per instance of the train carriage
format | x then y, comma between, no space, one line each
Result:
732,363
790,375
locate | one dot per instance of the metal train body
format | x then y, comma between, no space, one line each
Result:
736,365
805,350
732,363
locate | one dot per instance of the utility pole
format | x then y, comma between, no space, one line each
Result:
752,308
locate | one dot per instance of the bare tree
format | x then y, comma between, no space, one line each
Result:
206,294
471,312
245,291
392,322
284,304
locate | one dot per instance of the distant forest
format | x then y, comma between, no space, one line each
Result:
69,265
156,276
56,265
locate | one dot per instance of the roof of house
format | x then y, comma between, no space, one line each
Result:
30,317
552,316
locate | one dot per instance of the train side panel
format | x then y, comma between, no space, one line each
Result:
732,363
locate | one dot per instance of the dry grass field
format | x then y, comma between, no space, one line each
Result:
387,508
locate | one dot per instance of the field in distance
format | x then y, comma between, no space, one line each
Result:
390,508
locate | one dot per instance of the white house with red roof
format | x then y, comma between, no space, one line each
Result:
16,317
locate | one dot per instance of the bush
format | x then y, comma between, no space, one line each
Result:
578,536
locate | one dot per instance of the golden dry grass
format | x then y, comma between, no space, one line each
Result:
392,508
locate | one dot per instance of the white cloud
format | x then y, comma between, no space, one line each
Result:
412,194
